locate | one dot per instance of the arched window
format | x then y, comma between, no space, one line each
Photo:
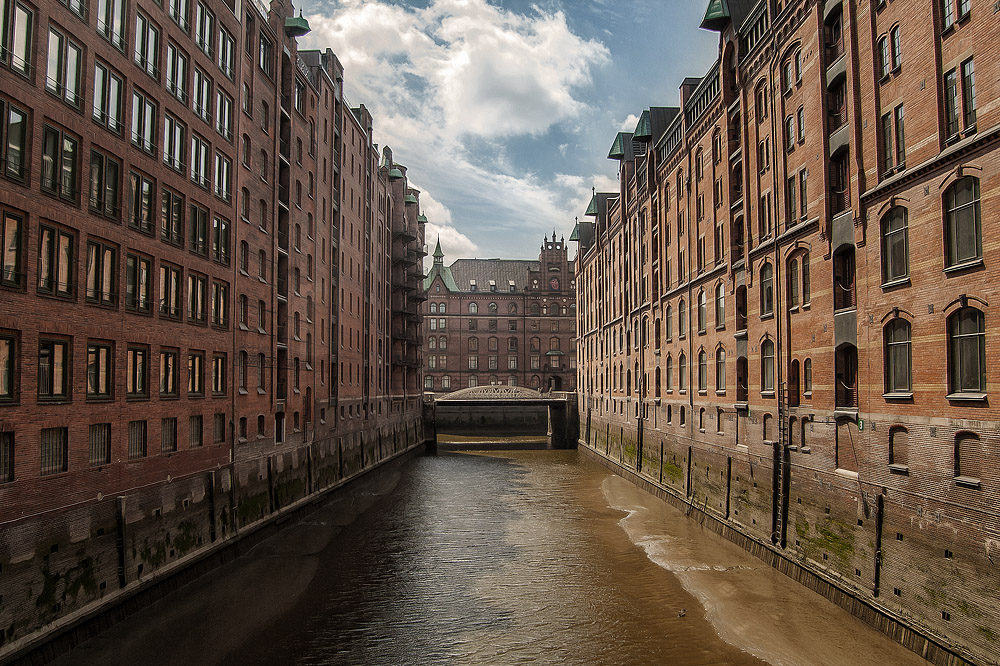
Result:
432,342
702,371
473,308
434,308
895,245
702,311
898,356
766,290
656,381
963,236
741,308
670,373
720,369
670,323
493,307
682,378
968,457
446,382
967,351
512,308
681,319
807,377
441,308
793,283
742,379
442,342
883,56
767,366
720,305
806,287
899,445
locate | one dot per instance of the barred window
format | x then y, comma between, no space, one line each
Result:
55,450
6,457
168,373
136,440
168,435
219,428
100,443
195,431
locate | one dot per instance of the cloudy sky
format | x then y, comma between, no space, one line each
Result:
504,110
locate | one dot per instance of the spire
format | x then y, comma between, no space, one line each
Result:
438,254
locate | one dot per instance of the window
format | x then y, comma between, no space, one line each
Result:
107,98
702,311
803,200
807,376
883,57
143,122
720,370
960,100
767,366
242,368
55,450
138,288
111,21
682,370
473,362
948,13
170,291
53,369
56,262
15,49
196,373
200,150
136,440
172,217
895,251
178,11
220,304
793,283
168,435
198,230
219,374
800,122
224,114
136,379
204,29
720,305
147,46
897,357
968,458
11,243
201,101
681,319
100,444
227,53
900,137
197,304
173,143
963,235
195,429
789,133
60,158
766,290
702,370
8,368
104,183
65,62
223,177
897,48
967,352
168,373
15,145
102,273
265,55
177,69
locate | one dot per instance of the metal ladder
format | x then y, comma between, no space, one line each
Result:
782,472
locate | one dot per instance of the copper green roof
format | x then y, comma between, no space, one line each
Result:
422,219
575,236
409,199
717,15
644,128
617,151
592,208
296,26
395,174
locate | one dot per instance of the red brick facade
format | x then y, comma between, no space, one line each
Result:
501,321
801,344
197,294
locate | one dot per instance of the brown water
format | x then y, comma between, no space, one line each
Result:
513,557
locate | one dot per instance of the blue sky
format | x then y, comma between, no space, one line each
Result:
504,110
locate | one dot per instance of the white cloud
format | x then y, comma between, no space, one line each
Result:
454,243
629,123
446,81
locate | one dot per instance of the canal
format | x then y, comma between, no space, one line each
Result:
498,558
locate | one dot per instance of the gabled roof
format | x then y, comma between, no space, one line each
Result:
621,149
644,128
716,16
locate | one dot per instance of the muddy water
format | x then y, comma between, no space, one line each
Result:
513,557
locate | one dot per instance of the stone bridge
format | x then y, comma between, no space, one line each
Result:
504,411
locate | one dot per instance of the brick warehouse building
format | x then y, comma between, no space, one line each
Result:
209,300
501,321
800,345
